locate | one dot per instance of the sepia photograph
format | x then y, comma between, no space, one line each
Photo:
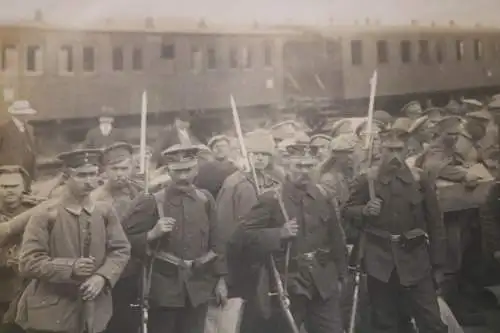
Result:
249,166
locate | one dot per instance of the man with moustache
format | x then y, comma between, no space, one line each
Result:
177,230
14,184
119,191
405,240
317,264
73,253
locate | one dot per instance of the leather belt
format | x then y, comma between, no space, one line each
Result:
182,263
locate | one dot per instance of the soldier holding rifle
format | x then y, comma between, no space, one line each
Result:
176,229
313,272
74,253
405,240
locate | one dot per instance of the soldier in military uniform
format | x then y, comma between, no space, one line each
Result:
74,253
178,227
405,240
320,143
412,110
14,182
119,191
317,264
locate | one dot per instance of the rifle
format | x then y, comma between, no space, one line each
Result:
358,269
146,267
281,290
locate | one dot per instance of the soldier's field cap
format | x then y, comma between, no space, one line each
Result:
434,112
21,108
299,150
260,141
285,129
316,139
81,157
474,103
216,139
342,143
482,115
450,125
180,157
391,138
412,107
117,153
382,117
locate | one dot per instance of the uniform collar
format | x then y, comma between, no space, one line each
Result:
173,191
73,206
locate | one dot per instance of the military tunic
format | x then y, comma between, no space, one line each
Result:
396,262
10,282
318,261
178,297
52,243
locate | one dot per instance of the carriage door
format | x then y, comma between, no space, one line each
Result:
312,68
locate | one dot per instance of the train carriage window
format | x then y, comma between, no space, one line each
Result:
88,59
196,59
423,51
66,59
233,57
137,63
268,54
459,49
211,58
356,52
246,57
168,51
440,49
478,50
9,57
405,51
118,61
382,52
34,61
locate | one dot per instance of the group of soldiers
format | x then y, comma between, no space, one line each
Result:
209,241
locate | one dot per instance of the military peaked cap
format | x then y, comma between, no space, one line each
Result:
259,141
117,153
479,115
180,156
319,137
216,139
412,107
81,157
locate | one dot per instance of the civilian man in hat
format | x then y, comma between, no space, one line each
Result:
405,240
177,133
74,253
104,135
317,264
17,141
14,184
220,145
119,191
178,228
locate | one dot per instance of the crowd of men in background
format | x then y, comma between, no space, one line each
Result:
212,228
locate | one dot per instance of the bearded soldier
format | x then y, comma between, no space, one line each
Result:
74,253
317,264
178,228
119,191
14,183
405,240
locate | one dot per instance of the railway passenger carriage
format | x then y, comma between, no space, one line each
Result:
71,74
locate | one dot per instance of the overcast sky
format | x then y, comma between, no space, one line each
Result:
272,11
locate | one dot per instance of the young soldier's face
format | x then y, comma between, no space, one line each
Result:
11,188
221,149
83,180
260,161
299,171
119,173
183,176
